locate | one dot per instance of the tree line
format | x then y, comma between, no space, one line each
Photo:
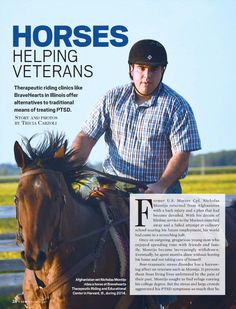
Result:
212,159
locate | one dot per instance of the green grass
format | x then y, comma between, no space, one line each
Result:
214,183
7,192
8,225
9,255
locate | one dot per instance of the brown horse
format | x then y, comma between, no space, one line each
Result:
65,238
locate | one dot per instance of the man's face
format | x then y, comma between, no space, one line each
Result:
146,78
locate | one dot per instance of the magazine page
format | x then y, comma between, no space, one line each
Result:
117,160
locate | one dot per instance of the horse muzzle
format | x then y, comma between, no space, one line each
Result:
33,263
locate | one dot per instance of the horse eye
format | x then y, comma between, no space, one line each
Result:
16,199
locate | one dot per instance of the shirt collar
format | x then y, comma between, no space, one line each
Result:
153,99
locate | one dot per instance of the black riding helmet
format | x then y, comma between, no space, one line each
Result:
148,52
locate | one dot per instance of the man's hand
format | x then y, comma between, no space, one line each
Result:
153,188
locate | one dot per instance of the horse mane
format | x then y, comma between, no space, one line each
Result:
43,156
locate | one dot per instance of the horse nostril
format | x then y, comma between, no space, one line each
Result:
33,263
22,255
41,258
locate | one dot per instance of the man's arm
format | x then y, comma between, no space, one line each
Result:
82,146
174,170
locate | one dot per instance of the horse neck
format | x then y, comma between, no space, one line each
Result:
78,218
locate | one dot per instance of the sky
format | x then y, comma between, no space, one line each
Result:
199,37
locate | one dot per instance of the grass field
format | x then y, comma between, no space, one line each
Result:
7,225
214,183
7,192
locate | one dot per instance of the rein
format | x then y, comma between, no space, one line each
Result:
106,226
119,178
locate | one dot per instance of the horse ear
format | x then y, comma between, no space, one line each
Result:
21,157
61,152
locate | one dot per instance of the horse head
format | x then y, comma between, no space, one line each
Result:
39,205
